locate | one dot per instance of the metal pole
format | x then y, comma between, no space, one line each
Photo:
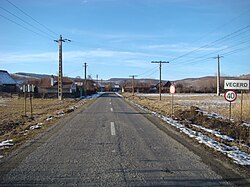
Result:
172,104
60,85
230,111
159,62
60,75
218,74
31,107
133,82
85,79
241,106
25,102
160,83
133,91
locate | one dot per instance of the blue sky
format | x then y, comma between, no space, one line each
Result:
118,38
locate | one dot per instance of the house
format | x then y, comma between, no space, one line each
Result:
164,87
7,83
116,88
48,87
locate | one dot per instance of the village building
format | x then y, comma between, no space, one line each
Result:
146,87
48,87
7,83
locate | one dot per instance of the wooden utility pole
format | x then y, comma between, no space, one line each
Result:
160,62
24,94
133,82
218,74
60,75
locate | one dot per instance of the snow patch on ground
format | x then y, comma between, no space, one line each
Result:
232,152
177,95
93,96
119,95
6,144
37,126
49,118
214,132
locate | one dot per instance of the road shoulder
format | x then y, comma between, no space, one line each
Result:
218,162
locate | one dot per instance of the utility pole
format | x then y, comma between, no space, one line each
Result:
85,79
60,85
159,62
133,78
218,74
97,85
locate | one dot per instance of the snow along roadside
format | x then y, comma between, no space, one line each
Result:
233,152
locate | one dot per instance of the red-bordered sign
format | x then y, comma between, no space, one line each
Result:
172,89
230,95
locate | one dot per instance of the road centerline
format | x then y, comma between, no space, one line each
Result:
112,126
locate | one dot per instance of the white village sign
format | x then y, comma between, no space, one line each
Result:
231,95
236,84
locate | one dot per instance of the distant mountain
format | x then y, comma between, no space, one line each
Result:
124,80
202,84
31,75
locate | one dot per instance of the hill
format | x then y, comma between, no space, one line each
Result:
202,84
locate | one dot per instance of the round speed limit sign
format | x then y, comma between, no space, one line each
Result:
230,96
172,89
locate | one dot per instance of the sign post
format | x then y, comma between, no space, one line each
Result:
237,85
172,92
230,96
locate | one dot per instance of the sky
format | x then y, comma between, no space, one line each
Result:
120,38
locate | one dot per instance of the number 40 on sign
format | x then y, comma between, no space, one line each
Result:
230,96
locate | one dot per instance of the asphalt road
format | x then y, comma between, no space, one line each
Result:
108,144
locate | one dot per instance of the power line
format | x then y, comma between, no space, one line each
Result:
209,44
223,25
25,27
203,57
26,22
32,18
236,50
147,71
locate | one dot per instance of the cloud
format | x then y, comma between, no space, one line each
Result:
98,56
12,58
181,47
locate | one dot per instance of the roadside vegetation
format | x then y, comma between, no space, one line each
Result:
16,128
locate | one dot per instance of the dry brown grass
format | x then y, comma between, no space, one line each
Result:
183,104
14,125
207,102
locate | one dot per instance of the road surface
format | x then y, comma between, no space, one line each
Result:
109,143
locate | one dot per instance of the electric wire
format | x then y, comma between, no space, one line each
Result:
236,51
48,29
209,44
39,34
49,35
200,58
148,71
227,38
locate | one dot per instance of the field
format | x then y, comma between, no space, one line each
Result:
205,113
208,102
16,127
